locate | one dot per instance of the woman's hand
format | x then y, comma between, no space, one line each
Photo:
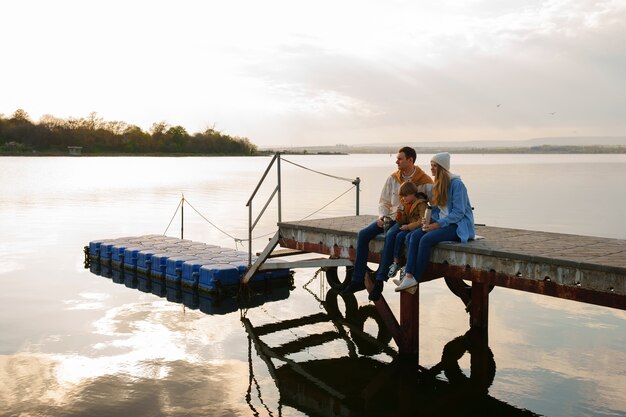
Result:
380,222
404,227
430,227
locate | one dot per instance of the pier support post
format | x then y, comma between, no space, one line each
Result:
409,322
481,361
405,333
479,311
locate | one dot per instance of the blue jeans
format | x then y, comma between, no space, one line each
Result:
420,244
388,251
400,238
363,248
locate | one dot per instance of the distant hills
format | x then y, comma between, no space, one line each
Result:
572,144
578,141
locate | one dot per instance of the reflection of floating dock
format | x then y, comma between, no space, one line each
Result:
191,264
214,304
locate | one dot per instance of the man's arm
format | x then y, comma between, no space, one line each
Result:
385,200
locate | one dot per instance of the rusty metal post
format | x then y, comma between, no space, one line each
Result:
479,312
481,358
386,314
409,322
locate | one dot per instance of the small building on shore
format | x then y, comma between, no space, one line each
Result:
75,150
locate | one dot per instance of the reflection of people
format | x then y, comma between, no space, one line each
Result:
452,220
482,362
410,217
388,204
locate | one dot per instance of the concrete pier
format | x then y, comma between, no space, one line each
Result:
579,268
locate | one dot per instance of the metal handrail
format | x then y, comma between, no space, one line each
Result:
276,156
277,191
251,226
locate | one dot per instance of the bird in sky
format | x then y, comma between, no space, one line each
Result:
552,113
498,105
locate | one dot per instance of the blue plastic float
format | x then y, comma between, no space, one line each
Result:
177,262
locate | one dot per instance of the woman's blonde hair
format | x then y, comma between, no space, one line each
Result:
440,187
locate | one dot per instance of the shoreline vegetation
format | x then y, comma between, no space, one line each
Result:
542,149
93,136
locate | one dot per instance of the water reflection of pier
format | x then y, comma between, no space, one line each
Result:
372,379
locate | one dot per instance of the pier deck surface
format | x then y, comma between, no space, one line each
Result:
582,268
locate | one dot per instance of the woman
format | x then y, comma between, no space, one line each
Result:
452,220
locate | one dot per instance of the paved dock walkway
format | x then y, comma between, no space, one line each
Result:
581,268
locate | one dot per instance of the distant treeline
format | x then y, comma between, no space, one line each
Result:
52,136
542,149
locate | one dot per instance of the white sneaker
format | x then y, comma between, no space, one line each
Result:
393,270
406,283
402,274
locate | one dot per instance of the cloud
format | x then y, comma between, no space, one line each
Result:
350,72
560,58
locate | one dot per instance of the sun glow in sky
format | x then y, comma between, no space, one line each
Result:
324,72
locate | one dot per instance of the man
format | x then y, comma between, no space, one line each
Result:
387,207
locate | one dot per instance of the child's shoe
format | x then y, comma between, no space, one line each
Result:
393,270
402,274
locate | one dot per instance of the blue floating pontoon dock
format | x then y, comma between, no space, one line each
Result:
185,262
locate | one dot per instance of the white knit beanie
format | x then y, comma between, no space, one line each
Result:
442,159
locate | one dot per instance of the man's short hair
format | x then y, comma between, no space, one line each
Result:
409,153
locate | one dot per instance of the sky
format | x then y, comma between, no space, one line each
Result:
323,72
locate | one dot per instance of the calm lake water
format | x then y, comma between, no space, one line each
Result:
75,343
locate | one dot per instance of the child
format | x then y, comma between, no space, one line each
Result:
410,216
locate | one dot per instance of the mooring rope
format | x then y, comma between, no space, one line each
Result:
318,172
168,226
213,224
323,207
252,378
306,287
240,241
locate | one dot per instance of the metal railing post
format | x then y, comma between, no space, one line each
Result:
357,183
182,216
250,234
278,190
251,225
280,216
